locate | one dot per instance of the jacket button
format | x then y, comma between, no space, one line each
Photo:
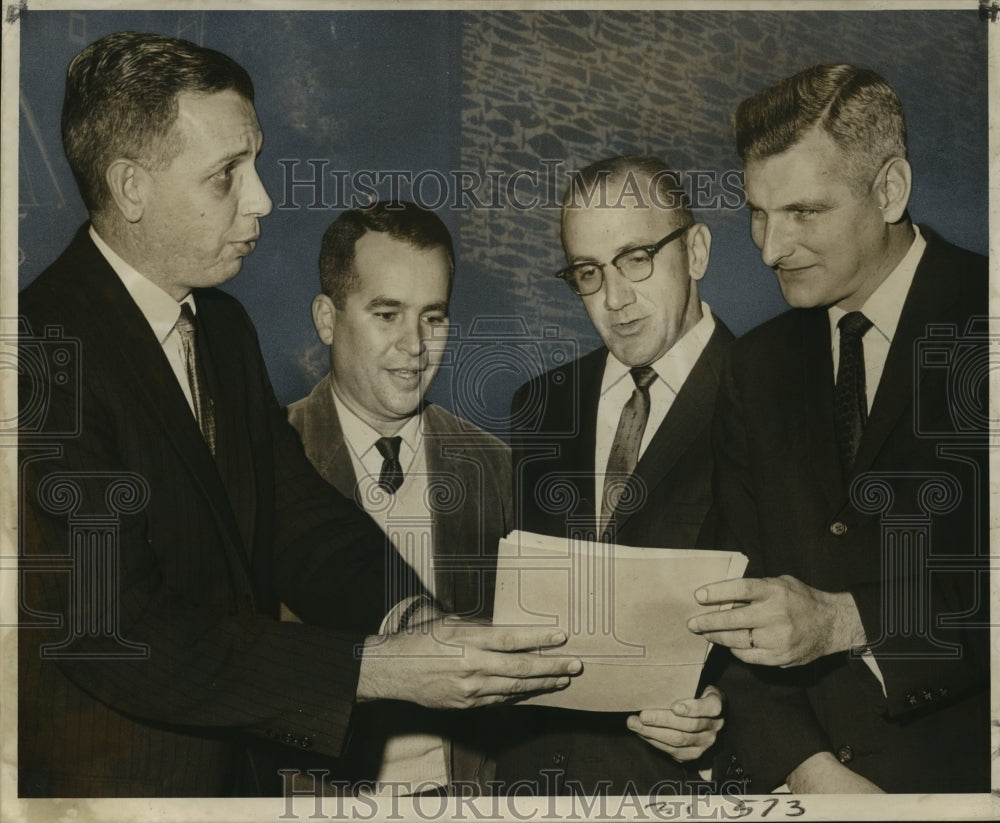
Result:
942,692
845,754
558,758
306,742
839,528
928,696
911,699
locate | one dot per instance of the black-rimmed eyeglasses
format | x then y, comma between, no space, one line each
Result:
635,264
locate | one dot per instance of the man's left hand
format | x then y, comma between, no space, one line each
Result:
778,621
686,730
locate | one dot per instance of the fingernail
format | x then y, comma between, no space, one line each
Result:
576,667
633,722
701,595
692,625
679,708
562,682
557,638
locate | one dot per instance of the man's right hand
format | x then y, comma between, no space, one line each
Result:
450,663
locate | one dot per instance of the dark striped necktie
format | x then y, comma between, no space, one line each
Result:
625,448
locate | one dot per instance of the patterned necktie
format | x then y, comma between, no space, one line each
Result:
850,402
204,406
625,448
391,477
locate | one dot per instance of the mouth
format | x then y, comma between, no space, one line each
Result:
791,271
628,326
245,247
406,374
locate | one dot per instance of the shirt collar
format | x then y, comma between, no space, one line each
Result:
884,306
361,437
159,308
674,366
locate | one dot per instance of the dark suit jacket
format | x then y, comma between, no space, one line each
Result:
919,501
471,514
553,441
150,649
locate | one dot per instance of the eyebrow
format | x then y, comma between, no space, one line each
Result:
382,302
231,157
803,205
623,248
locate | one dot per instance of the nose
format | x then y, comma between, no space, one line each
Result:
774,239
411,340
255,201
618,290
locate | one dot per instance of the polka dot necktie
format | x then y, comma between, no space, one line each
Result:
391,477
850,402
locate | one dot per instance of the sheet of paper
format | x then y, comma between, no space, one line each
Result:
624,609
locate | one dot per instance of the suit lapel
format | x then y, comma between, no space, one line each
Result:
579,453
223,368
127,338
449,536
324,442
689,414
815,373
930,296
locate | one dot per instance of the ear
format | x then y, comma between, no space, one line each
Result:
126,180
324,316
893,186
699,247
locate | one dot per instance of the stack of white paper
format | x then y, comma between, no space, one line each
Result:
624,610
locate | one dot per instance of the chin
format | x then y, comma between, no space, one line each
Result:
800,300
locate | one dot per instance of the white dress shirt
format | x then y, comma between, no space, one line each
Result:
415,760
672,369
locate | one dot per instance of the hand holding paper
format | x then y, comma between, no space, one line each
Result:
686,730
450,663
780,621
624,610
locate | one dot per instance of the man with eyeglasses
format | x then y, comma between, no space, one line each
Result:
638,459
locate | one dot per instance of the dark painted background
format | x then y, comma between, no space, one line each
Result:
492,93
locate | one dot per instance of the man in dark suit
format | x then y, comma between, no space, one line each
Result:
166,504
852,462
635,257
386,274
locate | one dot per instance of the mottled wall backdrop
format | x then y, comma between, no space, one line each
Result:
482,115
575,86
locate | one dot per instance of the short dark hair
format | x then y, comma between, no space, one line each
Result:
400,219
669,191
121,101
857,108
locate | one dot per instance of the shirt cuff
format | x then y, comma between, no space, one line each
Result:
399,615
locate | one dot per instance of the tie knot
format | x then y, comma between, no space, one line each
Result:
643,376
854,324
388,447
185,323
